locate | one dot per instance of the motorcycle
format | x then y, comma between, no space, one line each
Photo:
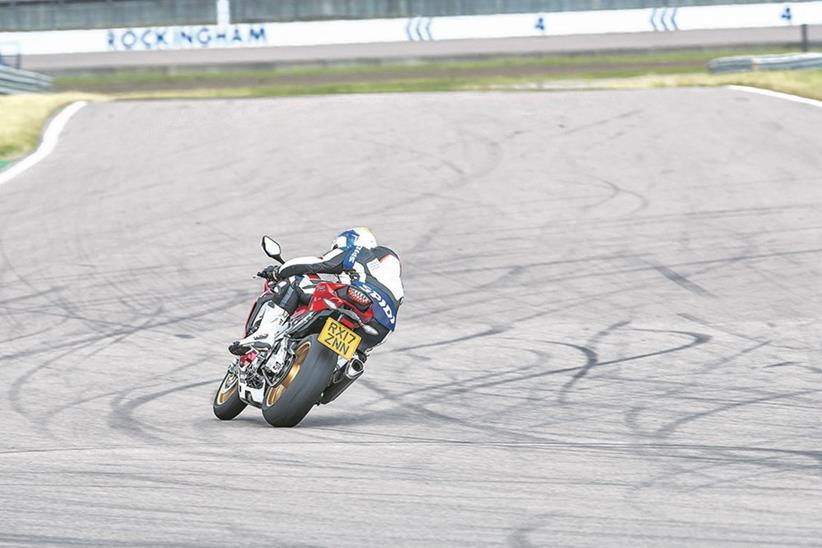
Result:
317,354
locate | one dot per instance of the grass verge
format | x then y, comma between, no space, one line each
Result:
807,83
452,72
23,116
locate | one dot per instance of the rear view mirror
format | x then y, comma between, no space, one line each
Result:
272,248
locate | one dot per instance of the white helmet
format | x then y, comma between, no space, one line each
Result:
358,236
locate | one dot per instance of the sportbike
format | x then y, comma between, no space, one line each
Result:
314,358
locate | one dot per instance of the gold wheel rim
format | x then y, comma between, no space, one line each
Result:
274,393
227,389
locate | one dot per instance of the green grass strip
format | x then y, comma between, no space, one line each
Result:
549,66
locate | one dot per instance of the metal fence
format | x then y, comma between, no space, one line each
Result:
23,15
792,61
10,58
14,80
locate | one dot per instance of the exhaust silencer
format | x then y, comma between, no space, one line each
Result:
354,369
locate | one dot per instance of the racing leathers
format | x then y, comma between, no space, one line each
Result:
375,271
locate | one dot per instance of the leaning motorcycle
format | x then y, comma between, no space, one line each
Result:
314,358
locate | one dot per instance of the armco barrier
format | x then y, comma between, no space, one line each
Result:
791,61
369,31
21,81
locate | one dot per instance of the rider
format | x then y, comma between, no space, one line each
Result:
355,259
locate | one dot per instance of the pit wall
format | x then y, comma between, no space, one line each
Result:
366,31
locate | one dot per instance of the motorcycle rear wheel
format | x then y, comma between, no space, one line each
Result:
227,403
286,404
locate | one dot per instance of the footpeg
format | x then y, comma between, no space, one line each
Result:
239,349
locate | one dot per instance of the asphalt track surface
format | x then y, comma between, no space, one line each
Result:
611,334
397,52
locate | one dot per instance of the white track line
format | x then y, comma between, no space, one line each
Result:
778,95
47,144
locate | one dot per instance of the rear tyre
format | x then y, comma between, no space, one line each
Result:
227,403
287,403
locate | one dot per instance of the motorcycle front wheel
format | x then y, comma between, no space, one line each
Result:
227,403
287,403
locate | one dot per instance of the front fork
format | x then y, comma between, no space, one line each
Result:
257,372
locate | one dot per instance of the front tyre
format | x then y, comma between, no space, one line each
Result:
227,403
287,403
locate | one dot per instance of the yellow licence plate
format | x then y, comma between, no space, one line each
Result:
339,338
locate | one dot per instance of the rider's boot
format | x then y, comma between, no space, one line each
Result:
262,338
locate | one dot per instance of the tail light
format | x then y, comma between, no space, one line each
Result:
358,297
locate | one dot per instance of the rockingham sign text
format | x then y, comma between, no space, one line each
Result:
186,37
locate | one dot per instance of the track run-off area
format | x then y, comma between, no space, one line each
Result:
611,334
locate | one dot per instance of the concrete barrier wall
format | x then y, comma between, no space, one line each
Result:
414,29
28,15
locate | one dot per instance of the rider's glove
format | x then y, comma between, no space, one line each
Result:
269,273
